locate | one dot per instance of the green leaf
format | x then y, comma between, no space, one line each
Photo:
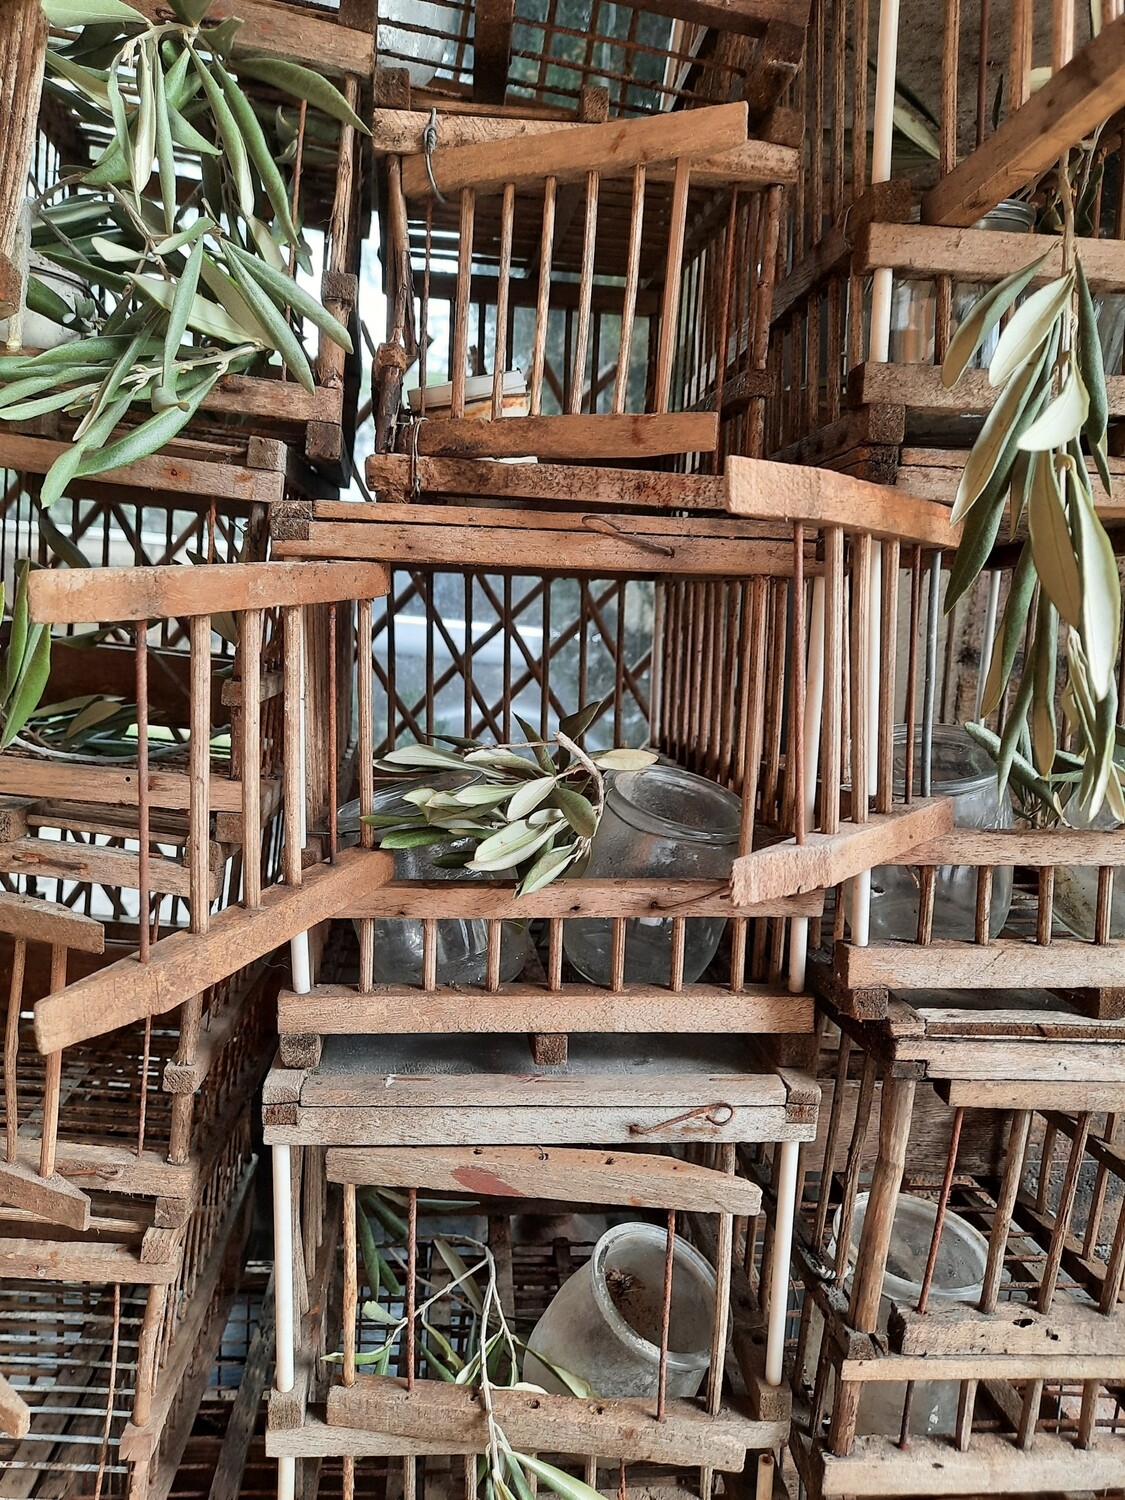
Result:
282,337
560,1483
576,724
459,1271
120,123
513,842
527,797
977,541
574,1383
259,152
229,133
71,13
285,291
1015,726
144,142
302,83
1063,418
982,319
181,309
577,810
204,316
94,83
1044,730
184,237
165,157
191,12
420,755
549,866
59,475
1099,615
60,544
1051,545
150,436
92,715
1010,635
997,438
32,680
184,134
1022,771
55,402
17,636
1093,373
1030,325
482,796
493,761
45,301
625,760
414,838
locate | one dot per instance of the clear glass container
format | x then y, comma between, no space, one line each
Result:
1076,886
958,1277
662,822
962,770
1010,217
603,1323
462,942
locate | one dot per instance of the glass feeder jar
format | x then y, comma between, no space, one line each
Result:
958,1278
1010,217
1076,886
603,1323
659,823
960,769
462,942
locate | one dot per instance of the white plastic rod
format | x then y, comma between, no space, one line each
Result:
779,1263
814,707
286,1478
300,955
875,667
885,69
283,1268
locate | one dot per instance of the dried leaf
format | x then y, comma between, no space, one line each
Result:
578,811
625,760
420,755
32,681
998,437
303,83
1029,328
549,866
1099,618
1044,731
1063,418
1010,635
560,1483
983,318
1093,373
527,797
1051,545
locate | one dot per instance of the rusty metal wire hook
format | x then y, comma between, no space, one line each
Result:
429,146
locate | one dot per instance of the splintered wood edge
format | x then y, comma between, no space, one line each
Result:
65,596
826,859
52,1199
639,1179
39,921
822,497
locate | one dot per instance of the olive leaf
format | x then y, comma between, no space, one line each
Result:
1051,546
1100,604
1030,326
1064,418
1010,635
975,328
1093,373
303,83
1044,730
997,438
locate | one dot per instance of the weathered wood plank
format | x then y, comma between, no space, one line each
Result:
640,1179
78,596
162,473
1072,103
389,474
991,1465
340,1010
47,922
794,493
624,1430
53,1198
828,859
15,1414
611,150
111,786
1013,1329
277,28
574,898
1006,963
74,860
184,964
1035,847
982,255
77,1260
632,435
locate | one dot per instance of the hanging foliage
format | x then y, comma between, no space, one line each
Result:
1030,457
170,295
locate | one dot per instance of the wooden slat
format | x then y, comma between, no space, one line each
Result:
1068,107
184,964
981,254
77,596
1003,964
827,859
161,473
281,30
492,49
992,1465
388,474
596,547
920,388
78,1260
109,786
1013,1329
641,1180
622,1430
567,155
1035,847
15,1414
46,922
74,860
581,437
53,1198
573,898
340,1010
791,492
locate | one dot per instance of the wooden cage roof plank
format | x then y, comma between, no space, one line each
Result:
493,21
291,31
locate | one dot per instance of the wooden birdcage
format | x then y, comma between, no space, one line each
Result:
576,279
676,1171
887,250
997,1129
104,1336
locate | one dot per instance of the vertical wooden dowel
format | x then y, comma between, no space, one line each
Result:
459,347
629,295
504,275
666,349
199,774
585,301
144,853
250,650
52,1079
12,1046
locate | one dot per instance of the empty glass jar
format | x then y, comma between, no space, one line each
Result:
962,770
662,822
603,1323
462,942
